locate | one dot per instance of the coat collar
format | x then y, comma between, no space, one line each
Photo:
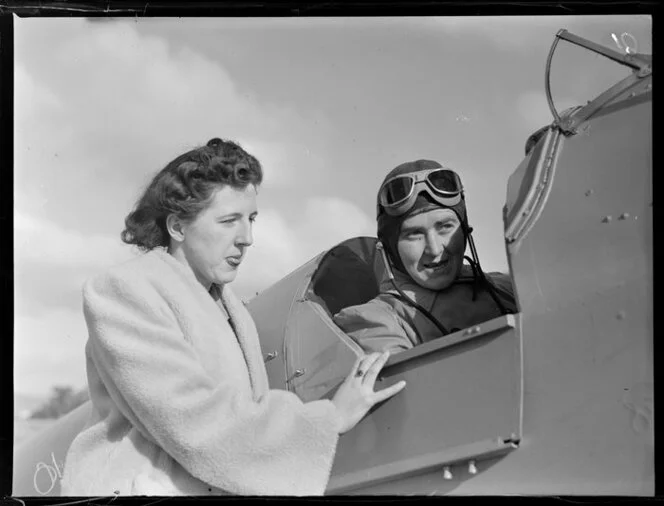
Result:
239,318
245,330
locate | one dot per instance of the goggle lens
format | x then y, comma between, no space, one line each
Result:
445,181
397,190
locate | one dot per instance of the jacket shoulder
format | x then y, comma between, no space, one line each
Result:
377,306
378,313
144,272
502,280
376,326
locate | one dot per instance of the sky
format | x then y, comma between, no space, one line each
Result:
328,105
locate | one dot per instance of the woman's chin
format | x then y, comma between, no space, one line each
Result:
225,277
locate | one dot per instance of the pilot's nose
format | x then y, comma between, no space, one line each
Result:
434,245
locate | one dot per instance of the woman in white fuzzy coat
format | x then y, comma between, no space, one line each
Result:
180,399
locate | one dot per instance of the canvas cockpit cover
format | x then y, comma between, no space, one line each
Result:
347,275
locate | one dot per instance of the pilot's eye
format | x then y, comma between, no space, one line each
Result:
446,226
413,234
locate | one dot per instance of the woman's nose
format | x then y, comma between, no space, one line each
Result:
245,235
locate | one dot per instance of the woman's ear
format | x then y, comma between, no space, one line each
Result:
175,227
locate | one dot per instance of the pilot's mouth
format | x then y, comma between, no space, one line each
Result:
437,266
234,261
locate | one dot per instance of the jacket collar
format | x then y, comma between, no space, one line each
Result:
239,319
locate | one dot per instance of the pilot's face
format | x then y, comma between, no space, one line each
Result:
431,246
214,243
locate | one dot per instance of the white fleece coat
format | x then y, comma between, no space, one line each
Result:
180,402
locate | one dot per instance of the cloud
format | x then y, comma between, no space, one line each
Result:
98,110
42,241
101,107
49,350
51,263
32,97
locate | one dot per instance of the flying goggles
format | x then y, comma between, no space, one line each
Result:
397,195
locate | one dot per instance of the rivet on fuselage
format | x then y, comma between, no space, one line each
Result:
621,315
623,216
607,219
589,192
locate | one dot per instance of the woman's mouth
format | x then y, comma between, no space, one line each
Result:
234,261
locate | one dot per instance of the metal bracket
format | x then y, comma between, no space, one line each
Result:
296,374
570,124
641,64
635,61
271,356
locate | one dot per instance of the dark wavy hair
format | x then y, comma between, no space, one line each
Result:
184,188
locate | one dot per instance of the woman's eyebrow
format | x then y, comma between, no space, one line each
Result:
229,215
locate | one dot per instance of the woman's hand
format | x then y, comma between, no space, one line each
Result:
356,395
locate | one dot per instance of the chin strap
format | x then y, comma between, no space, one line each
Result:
402,296
478,274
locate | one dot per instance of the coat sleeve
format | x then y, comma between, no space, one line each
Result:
220,435
375,326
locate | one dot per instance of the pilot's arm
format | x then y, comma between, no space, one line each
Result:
375,326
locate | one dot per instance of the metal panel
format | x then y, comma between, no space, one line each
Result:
271,311
461,402
584,278
320,350
583,274
320,354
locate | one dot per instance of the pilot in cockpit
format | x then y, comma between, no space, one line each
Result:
428,291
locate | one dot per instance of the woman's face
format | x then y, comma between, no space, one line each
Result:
431,246
214,243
